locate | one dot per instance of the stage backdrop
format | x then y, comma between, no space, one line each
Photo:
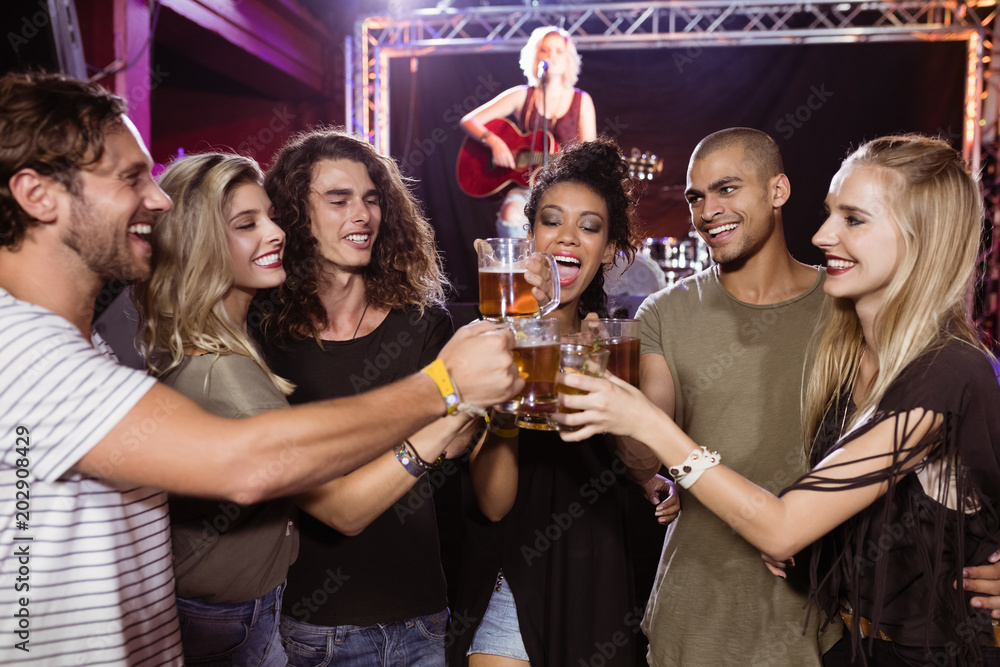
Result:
816,101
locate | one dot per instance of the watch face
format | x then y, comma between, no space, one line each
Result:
451,400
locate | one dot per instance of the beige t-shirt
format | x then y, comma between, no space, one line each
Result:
737,371
225,552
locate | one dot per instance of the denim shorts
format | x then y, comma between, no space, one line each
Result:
232,635
499,633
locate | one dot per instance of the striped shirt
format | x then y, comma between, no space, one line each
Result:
85,562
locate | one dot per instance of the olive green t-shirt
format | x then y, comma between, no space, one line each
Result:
737,370
225,552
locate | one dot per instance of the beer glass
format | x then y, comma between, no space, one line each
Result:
536,353
503,289
621,338
582,360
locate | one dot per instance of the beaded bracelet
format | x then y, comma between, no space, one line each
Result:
697,462
408,461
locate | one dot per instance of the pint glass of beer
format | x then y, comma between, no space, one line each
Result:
621,338
503,290
536,353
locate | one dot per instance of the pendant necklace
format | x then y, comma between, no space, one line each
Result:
358,328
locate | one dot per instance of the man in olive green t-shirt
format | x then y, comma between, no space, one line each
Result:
723,354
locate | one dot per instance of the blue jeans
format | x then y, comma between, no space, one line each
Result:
417,642
241,634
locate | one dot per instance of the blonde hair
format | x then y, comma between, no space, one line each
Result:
530,51
937,205
192,269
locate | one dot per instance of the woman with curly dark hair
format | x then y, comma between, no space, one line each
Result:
548,570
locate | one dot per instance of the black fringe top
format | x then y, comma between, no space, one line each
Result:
896,561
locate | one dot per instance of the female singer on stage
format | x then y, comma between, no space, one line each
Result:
551,64
547,569
211,253
900,410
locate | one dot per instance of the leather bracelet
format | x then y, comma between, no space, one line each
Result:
423,465
697,462
439,373
408,461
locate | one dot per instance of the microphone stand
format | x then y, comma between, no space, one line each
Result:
545,117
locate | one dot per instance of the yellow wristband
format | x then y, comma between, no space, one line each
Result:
437,371
501,432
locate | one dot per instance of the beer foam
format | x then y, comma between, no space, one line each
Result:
534,343
509,268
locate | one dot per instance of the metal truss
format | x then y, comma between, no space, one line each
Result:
699,24
667,23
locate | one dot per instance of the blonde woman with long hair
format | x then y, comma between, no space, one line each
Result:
901,413
211,253
551,65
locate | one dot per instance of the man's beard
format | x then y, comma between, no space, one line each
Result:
104,250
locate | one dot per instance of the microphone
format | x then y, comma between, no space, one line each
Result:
543,68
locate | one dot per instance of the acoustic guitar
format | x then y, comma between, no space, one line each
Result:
478,176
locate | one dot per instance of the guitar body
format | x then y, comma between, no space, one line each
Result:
479,177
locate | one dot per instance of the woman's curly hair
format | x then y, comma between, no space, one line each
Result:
600,166
405,269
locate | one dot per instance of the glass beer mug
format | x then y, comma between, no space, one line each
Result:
503,289
536,353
